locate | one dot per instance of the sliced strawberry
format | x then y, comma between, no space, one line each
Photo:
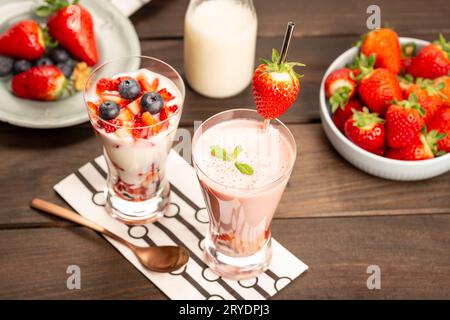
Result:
106,84
135,106
166,95
110,125
115,97
145,86
93,108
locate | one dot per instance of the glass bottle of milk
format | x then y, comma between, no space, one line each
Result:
219,46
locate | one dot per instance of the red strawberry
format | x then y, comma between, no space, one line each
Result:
377,88
443,83
39,83
384,44
432,61
408,53
73,27
340,87
24,40
423,148
404,120
107,84
110,125
342,114
429,96
441,123
366,130
275,86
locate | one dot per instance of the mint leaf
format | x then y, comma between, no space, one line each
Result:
220,153
244,168
236,152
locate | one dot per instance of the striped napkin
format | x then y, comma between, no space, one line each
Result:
185,223
128,7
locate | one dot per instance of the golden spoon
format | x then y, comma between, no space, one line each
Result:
159,259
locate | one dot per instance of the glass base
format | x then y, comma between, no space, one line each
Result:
137,212
238,268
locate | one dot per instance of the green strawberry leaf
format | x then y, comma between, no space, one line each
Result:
244,168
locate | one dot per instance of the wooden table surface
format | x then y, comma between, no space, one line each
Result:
404,228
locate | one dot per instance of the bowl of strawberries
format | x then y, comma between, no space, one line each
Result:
385,106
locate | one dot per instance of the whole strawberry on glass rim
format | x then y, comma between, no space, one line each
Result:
275,86
275,83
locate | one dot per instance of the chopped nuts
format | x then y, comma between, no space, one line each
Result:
80,74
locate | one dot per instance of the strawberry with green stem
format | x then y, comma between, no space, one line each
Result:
432,61
73,27
377,87
40,83
366,130
429,95
340,87
424,147
441,124
404,120
24,40
275,83
384,44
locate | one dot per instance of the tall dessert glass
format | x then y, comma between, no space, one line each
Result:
243,170
137,189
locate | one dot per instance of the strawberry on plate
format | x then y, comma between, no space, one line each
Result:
429,96
404,120
73,27
275,86
340,87
341,114
423,148
377,87
366,130
432,61
385,45
441,123
40,83
24,40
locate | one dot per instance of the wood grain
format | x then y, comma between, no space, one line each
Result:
412,254
165,18
322,184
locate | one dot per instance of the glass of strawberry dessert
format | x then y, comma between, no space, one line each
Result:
243,159
135,113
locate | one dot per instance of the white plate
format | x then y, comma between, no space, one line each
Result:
115,37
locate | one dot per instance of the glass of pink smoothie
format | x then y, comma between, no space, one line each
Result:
243,170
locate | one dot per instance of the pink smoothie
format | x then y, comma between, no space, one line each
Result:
241,205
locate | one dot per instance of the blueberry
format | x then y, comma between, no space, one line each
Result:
6,65
45,61
109,110
129,89
59,55
21,66
66,69
152,102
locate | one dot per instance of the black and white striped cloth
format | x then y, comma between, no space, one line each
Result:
185,223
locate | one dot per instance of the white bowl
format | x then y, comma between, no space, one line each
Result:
369,162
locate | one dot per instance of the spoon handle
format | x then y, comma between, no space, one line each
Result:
72,216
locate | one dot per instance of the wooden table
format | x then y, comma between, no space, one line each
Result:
402,227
